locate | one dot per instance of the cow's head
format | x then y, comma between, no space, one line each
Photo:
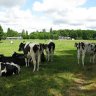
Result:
14,54
82,44
43,47
21,46
76,45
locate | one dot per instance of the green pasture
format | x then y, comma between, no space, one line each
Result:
62,77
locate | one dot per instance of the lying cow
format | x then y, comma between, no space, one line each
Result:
49,48
85,48
8,69
18,58
6,59
32,52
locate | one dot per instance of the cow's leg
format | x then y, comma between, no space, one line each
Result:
26,61
52,54
38,61
93,58
83,56
78,56
48,56
34,62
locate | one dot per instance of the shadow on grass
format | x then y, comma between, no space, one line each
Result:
54,78
70,61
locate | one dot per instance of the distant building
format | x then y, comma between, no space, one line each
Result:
14,38
65,38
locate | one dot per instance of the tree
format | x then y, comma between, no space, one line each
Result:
12,33
51,33
27,36
1,32
43,30
23,34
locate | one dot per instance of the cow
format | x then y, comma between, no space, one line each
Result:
85,48
8,69
6,58
18,58
49,49
43,59
32,52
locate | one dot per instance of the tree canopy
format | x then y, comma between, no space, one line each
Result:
52,34
1,32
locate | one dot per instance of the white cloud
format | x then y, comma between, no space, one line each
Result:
49,5
58,14
22,19
67,13
11,3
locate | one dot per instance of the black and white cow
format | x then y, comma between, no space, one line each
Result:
32,51
85,48
26,50
8,69
6,58
18,58
49,49
43,59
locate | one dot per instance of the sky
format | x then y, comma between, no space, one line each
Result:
33,15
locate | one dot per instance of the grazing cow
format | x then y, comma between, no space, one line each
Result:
8,69
85,48
49,48
18,58
32,52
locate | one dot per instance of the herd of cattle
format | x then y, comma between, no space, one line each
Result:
85,49
32,53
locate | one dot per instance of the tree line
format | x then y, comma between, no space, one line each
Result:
52,34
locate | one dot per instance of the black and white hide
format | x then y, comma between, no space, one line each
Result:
6,58
8,69
49,49
85,48
43,59
32,51
18,58
26,50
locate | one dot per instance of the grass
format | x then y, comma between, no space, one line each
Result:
62,77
